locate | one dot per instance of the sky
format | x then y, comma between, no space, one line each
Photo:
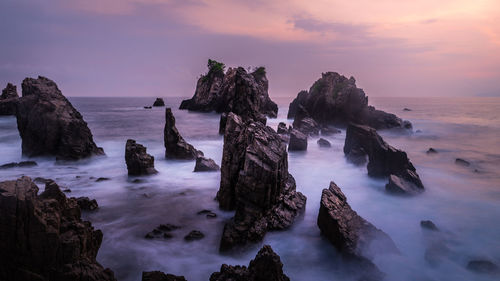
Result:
445,48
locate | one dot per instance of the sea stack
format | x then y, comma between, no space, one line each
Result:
175,145
49,125
9,100
138,161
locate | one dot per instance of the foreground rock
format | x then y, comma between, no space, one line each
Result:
43,237
255,181
205,165
139,162
160,276
357,239
159,102
298,141
175,145
266,266
19,164
9,100
86,204
50,125
336,100
383,159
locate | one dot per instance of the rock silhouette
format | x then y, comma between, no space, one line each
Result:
138,161
175,145
9,100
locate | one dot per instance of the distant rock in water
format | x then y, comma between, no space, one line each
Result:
336,100
175,145
431,151
266,266
383,159
160,276
255,181
205,165
282,129
159,102
237,91
50,126
43,237
138,161
428,225
406,109
9,100
483,266
462,162
19,164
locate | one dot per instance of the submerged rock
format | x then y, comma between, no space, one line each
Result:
43,236
19,164
431,151
266,266
483,266
86,204
138,161
462,162
162,231
175,145
324,143
205,165
160,276
9,100
50,125
255,181
428,225
194,235
298,141
159,102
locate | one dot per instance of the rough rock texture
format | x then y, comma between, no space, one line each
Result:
9,100
298,141
282,129
159,102
86,204
43,238
205,165
160,276
19,164
353,236
335,99
304,123
255,181
266,266
175,145
50,125
138,161
383,159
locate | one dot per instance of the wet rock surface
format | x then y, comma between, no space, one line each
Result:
49,125
175,145
205,165
52,241
162,231
86,204
160,276
19,164
304,123
138,161
159,102
9,100
298,141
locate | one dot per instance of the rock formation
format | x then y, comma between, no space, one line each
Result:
159,102
282,129
266,266
298,141
86,204
175,145
50,125
19,164
255,181
42,237
160,276
335,99
304,123
138,161
383,159
324,143
9,100
205,165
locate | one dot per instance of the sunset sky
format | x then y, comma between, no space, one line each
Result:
160,47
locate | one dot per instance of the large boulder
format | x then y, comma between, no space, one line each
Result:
336,100
298,141
205,165
175,145
9,100
255,181
42,237
138,161
266,266
383,159
50,125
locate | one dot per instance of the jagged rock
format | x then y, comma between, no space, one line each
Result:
324,143
162,231
431,151
282,129
428,225
298,141
222,123
43,237
159,102
9,100
353,236
194,235
139,162
328,131
205,165
335,99
304,123
462,162
50,125
86,204
175,145
383,159
266,266
237,91
160,276
19,164
483,266
255,181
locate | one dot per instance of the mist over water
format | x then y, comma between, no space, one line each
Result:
464,203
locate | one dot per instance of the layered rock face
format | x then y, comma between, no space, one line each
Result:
255,181
266,266
50,125
383,159
335,99
42,237
175,145
9,100
138,161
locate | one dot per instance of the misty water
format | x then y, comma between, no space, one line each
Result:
464,202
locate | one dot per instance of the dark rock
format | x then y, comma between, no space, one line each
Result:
205,165
431,151
194,235
255,181
9,100
328,131
384,160
483,266
67,190
50,125
208,213
43,237
406,109
42,180
102,179
222,123
175,145
304,123
462,162
300,100
19,164
282,129
159,102
148,107
160,276
139,162
9,92
162,231
86,204
428,225
324,143
298,141
266,266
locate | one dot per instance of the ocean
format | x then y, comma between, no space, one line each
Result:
464,202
